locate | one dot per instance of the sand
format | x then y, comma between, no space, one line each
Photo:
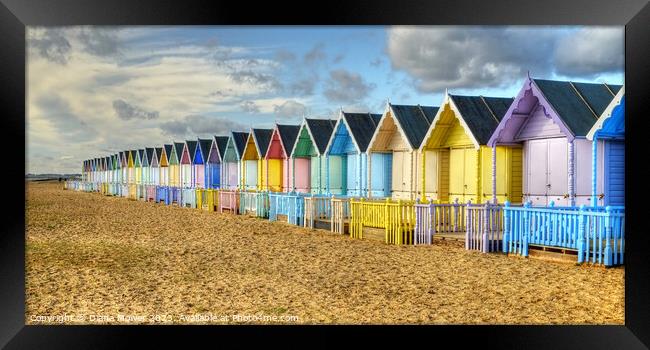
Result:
94,258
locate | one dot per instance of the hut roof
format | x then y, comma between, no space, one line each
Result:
481,114
262,138
578,104
362,127
414,121
321,131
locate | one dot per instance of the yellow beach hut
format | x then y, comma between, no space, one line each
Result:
456,161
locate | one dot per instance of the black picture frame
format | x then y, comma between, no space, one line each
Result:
16,14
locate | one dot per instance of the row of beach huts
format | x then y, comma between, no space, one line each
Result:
541,172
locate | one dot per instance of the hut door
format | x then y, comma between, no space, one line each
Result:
557,171
470,175
615,173
536,179
353,172
456,174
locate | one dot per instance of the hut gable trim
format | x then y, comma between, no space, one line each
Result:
288,136
203,149
617,102
262,139
528,91
239,141
447,100
222,145
250,153
388,111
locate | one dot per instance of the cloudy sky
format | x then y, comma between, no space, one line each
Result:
98,90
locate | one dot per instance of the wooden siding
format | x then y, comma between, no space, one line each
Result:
538,125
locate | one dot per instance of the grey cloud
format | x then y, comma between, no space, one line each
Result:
100,41
480,57
284,55
591,51
290,109
255,78
338,58
376,62
249,107
51,44
304,87
58,112
199,125
126,111
316,54
346,87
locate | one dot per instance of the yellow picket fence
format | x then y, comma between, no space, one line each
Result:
207,199
397,218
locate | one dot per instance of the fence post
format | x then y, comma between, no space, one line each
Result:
608,235
506,226
456,214
470,224
486,228
581,233
431,222
526,231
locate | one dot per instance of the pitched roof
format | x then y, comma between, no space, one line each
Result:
168,150
159,153
240,139
362,126
149,151
262,138
414,121
178,147
574,102
288,135
321,130
222,143
482,114
204,145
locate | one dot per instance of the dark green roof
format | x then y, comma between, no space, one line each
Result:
288,135
321,131
573,105
168,150
222,143
414,121
204,145
262,139
178,148
159,154
240,139
149,151
482,114
362,127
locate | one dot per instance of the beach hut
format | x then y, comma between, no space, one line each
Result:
254,168
213,164
393,162
349,142
277,157
456,161
124,163
115,158
199,159
146,166
138,166
155,166
175,164
187,171
231,168
609,134
550,120
309,173
131,166
163,161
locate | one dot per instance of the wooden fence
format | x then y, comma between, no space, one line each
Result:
150,193
435,218
207,199
596,233
256,203
229,201
484,227
188,197
340,214
397,218
290,204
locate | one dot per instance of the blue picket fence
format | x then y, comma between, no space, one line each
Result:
162,194
596,233
290,204
256,203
